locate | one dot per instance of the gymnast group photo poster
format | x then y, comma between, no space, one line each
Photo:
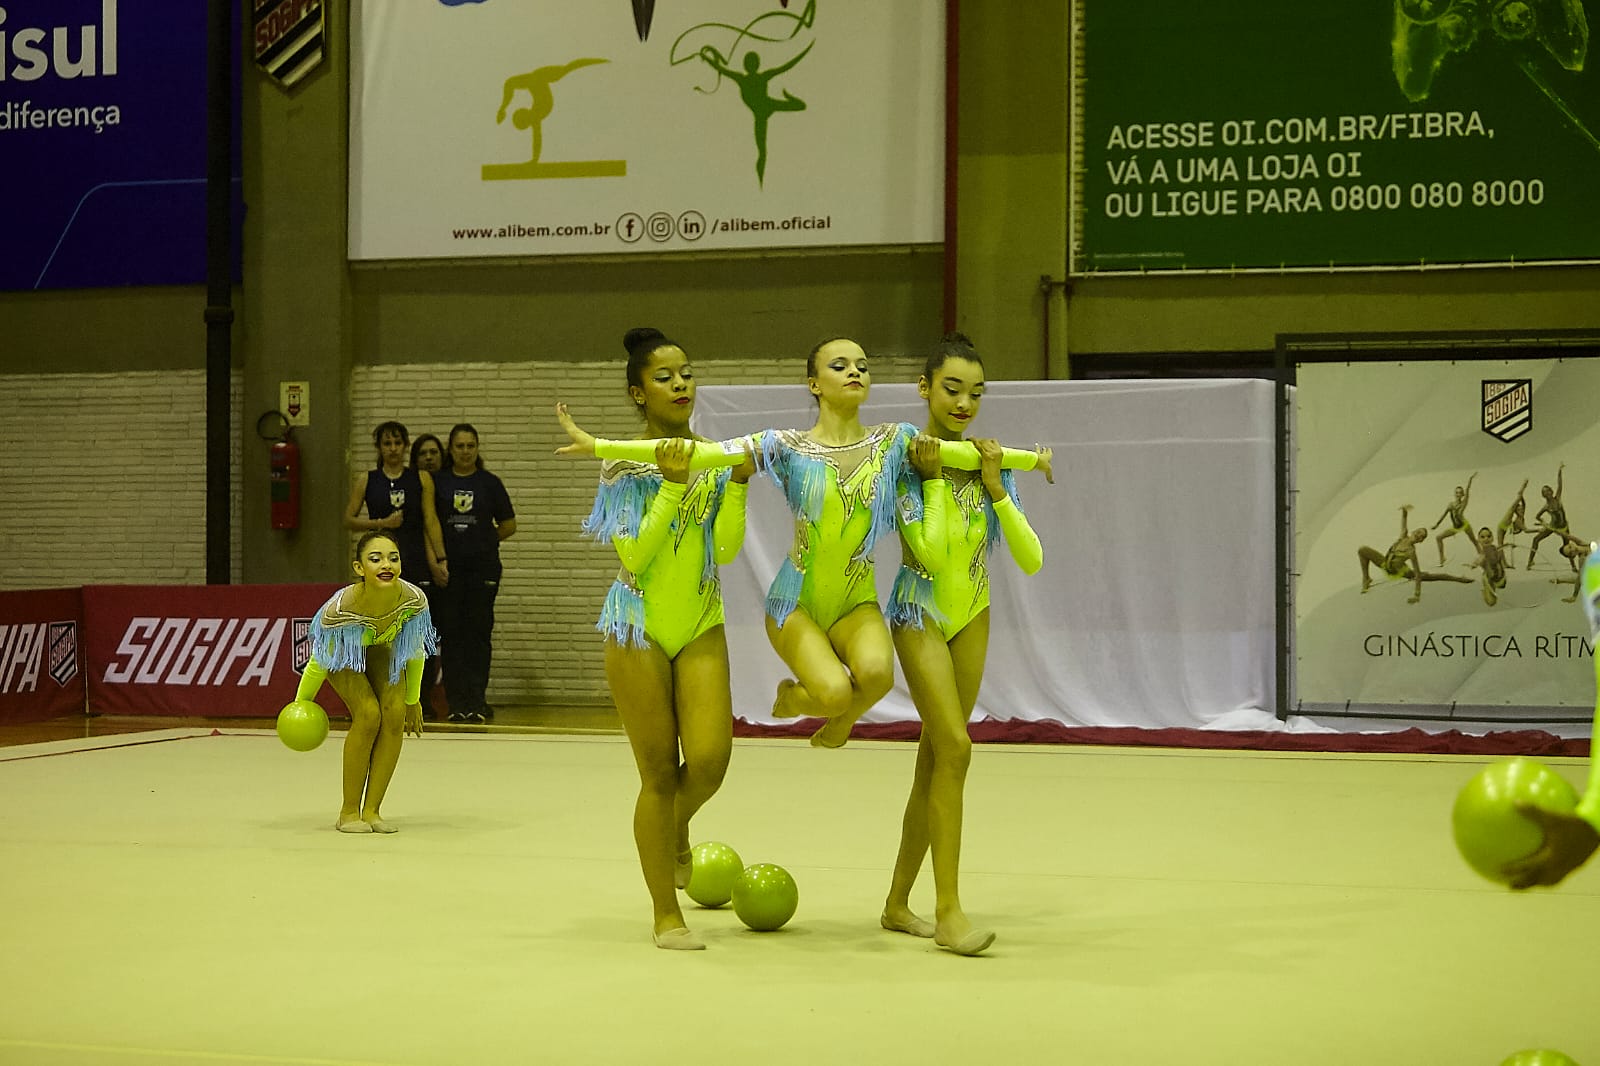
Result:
1442,511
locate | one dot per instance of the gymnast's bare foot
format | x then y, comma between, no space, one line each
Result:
779,709
956,934
350,822
378,825
833,734
900,919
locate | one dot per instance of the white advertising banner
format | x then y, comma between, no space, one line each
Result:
1443,510
548,127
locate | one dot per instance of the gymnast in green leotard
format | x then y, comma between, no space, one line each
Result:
673,516
1569,839
950,522
370,641
839,480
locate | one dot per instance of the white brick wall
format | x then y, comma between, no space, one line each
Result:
546,649
105,479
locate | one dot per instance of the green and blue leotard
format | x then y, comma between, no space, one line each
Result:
667,592
340,638
948,528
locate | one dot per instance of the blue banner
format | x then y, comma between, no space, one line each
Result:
103,143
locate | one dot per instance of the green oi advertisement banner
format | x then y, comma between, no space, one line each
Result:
1259,135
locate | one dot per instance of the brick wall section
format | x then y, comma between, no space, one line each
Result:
106,479
546,649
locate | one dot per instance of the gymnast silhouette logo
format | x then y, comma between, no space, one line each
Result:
537,84
778,28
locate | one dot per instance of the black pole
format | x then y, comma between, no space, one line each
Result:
219,289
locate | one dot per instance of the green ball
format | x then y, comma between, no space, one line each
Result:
1489,830
302,725
765,896
1539,1057
716,868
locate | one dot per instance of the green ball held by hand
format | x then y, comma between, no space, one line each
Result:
302,725
1489,830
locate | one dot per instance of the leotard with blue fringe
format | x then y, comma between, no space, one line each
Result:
673,593
340,637
839,518
952,589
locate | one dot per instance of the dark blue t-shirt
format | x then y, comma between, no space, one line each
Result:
386,495
468,509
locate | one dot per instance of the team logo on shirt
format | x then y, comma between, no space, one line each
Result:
300,647
1507,408
397,498
463,501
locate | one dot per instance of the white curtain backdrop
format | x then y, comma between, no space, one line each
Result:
1155,604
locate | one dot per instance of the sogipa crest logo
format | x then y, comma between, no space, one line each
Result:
31,649
1507,408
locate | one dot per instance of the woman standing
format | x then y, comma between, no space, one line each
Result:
398,499
476,515
427,455
666,654
950,522
367,640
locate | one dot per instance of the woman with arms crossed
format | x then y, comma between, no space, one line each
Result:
666,654
399,499
950,521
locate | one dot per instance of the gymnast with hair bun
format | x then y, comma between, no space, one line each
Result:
673,506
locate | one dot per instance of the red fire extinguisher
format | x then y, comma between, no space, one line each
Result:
285,480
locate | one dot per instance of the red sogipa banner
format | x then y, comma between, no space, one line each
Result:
42,667
214,651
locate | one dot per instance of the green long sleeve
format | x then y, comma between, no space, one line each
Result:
637,551
1589,804
707,455
311,680
727,532
963,455
414,681
1020,537
929,537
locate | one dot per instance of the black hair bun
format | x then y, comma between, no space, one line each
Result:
642,337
